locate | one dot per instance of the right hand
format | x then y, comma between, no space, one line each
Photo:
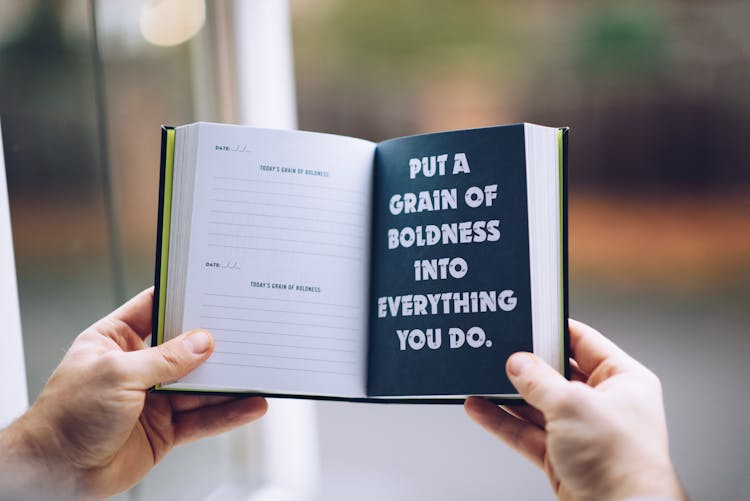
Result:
602,436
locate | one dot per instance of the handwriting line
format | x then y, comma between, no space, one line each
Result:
341,350
239,296
209,362
287,358
295,195
314,186
288,206
281,323
287,251
294,218
245,331
279,311
334,244
337,233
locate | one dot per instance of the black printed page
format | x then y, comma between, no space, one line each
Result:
278,261
451,295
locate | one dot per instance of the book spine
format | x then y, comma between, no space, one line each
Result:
563,140
159,284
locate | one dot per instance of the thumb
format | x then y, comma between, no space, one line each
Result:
171,360
538,383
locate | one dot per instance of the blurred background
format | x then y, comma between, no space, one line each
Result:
656,96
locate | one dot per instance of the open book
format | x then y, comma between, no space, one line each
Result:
332,267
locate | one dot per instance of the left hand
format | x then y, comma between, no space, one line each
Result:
95,430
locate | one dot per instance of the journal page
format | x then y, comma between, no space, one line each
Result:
451,293
278,260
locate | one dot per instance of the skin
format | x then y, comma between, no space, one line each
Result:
95,430
601,436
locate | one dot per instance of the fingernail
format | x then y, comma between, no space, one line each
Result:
518,362
198,342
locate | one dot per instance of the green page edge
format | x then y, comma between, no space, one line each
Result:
562,273
166,219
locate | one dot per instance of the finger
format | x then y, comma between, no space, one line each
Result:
527,413
538,383
136,313
576,374
211,420
590,348
182,403
518,434
171,360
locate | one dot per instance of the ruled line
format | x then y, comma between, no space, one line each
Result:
289,346
294,218
221,329
338,233
275,193
237,296
280,368
359,247
286,206
314,186
354,258
281,323
351,362
278,311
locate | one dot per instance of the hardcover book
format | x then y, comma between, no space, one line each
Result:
333,267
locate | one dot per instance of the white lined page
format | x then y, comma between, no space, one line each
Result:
278,260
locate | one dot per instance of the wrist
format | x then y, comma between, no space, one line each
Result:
656,482
34,460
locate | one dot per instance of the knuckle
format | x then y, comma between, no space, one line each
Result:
112,367
574,399
170,358
534,390
605,370
531,387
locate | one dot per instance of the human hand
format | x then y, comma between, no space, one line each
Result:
601,436
95,430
